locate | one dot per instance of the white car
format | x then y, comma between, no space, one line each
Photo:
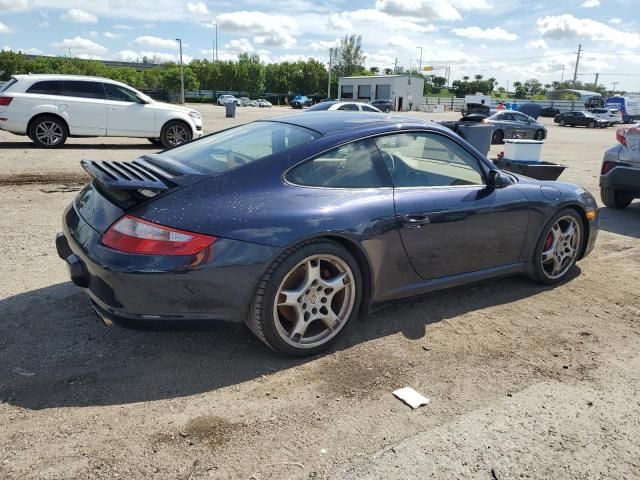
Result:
261,102
224,99
349,106
611,115
51,108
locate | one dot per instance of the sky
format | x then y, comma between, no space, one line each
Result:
506,39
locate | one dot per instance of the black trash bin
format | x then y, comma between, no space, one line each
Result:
230,109
476,133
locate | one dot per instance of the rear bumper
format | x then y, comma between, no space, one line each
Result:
148,288
625,179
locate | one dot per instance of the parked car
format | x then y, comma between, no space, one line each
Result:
301,101
611,115
244,101
385,106
620,172
253,103
549,112
224,99
512,124
583,119
476,109
262,103
336,231
349,106
51,108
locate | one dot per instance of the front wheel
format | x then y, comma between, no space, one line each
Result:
497,137
306,298
539,135
558,247
591,125
562,123
614,198
175,133
387,110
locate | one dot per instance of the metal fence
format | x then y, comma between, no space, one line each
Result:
457,104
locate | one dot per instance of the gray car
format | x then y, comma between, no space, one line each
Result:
620,172
512,124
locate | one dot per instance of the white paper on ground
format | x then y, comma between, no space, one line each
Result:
412,398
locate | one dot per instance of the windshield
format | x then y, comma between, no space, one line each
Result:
239,146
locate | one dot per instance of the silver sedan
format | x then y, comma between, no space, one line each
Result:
512,124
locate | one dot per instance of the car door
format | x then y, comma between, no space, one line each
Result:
127,114
450,221
82,105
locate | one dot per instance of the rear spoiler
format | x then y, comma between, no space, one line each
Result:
141,174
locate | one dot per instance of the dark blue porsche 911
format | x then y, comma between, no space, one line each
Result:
296,224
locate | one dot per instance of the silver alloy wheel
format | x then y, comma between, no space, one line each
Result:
561,246
49,132
314,301
177,134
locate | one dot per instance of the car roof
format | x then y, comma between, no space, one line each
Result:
36,77
329,122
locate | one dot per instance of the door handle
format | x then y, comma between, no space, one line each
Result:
415,221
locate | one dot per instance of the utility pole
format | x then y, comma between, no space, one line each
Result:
329,77
613,92
575,72
420,67
216,27
395,66
181,73
562,76
595,83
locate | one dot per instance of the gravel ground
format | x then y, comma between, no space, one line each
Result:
524,380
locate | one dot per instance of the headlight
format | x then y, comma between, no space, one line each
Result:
195,115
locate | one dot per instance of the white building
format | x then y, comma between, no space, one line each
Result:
406,92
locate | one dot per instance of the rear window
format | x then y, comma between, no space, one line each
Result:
75,88
239,146
7,85
47,87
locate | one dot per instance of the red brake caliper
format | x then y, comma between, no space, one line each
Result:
549,241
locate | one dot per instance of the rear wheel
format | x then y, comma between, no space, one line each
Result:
497,137
539,135
306,298
562,123
175,133
387,110
559,247
614,198
591,125
48,132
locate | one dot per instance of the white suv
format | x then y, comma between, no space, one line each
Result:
224,99
50,108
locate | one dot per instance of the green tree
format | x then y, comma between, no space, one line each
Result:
350,58
171,79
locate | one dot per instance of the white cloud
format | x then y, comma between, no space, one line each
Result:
496,33
80,46
237,46
155,42
28,51
4,28
43,24
536,44
14,5
430,10
75,15
383,21
615,21
161,57
93,34
123,27
400,41
323,46
111,35
567,26
590,3
198,8
268,30
337,22
127,56
276,39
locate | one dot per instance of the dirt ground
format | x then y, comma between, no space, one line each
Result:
524,381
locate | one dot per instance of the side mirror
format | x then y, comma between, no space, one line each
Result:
497,179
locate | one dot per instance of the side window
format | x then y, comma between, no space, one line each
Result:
367,108
73,88
48,87
507,116
122,94
428,160
348,166
348,106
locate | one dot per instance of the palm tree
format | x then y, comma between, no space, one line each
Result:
388,71
374,70
478,77
465,78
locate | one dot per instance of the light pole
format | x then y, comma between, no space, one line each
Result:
214,53
181,73
329,79
420,67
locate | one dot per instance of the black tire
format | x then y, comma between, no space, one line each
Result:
387,110
562,122
155,141
261,319
614,198
539,135
497,137
41,125
591,125
539,273
170,137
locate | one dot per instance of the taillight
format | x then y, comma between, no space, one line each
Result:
4,101
134,235
621,136
607,166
